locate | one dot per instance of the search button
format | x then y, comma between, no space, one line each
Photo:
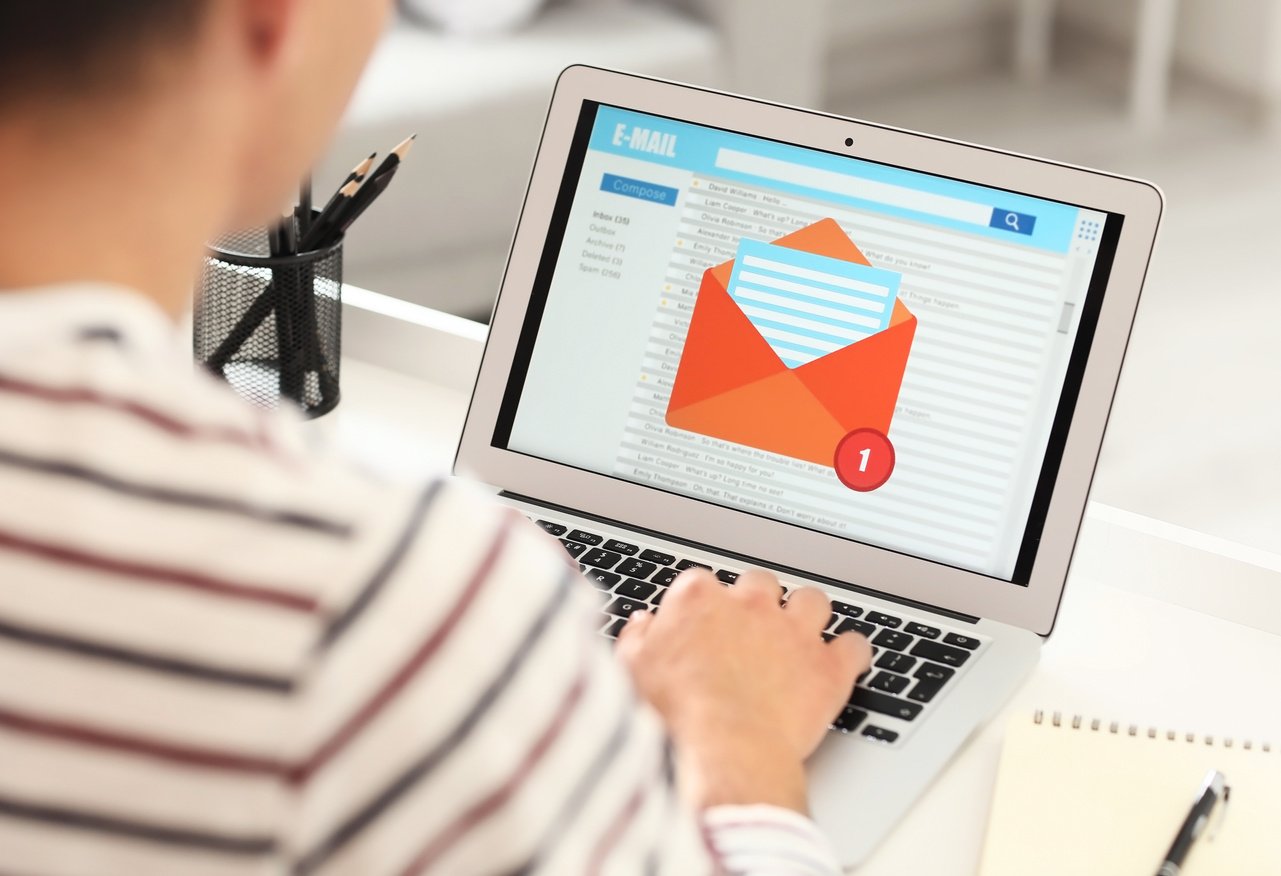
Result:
1008,220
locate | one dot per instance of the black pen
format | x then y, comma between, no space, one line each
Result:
1213,790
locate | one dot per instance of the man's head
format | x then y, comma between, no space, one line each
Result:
243,93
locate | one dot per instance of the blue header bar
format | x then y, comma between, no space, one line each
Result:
1000,215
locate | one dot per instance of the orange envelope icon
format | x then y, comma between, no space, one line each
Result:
731,385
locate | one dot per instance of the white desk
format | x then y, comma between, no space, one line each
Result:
1158,625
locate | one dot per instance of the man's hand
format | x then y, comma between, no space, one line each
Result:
747,688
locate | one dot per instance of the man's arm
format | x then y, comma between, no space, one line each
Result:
463,715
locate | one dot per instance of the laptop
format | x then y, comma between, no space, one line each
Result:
737,334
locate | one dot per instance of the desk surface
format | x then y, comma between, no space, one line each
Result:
1121,650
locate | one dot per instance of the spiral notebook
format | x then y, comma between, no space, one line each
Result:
1078,795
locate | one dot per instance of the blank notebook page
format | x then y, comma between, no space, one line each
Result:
1091,799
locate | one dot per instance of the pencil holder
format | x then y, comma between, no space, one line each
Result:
271,325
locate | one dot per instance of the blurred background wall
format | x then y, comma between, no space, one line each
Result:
1184,92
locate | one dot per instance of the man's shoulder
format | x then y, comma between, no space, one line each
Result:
143,461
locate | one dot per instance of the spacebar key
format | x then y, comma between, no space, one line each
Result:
885,704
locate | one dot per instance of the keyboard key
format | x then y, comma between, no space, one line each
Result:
602,579
636,568
553,528
726,577
880,734
614,627
620,547
893,640
933,671
846,609
601,559
573,548
657,557
690,564
922,630
969,643
827,637
585,537
896,662
857,626
939,653
889,682
832,618
665,577
925,690
875,701
624,607
885,620
849,719
658,597
634,589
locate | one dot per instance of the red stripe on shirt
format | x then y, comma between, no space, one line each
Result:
164,422
80,734
718,860
494,800
615,830
420,658
148,574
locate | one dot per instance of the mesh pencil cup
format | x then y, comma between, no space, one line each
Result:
271,326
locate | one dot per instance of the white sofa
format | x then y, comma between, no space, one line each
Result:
439,236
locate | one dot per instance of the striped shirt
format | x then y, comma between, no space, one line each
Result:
225,651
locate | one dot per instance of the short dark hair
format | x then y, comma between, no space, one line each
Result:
77,46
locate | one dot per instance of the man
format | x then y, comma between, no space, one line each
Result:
224,652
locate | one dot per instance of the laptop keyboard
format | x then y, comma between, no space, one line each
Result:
913,661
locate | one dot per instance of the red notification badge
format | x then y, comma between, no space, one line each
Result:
864,460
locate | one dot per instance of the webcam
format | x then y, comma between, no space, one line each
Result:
849,141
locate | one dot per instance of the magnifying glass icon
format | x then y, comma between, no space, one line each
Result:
1012,220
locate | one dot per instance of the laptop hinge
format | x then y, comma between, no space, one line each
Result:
748,560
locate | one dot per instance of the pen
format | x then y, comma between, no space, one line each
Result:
1213,790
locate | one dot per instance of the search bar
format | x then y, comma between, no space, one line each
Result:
945,207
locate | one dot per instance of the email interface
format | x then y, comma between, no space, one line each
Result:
837,344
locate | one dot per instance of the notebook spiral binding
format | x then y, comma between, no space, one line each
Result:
1116,728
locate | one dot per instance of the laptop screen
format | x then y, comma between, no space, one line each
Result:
864,350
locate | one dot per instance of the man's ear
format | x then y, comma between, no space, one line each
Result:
271,30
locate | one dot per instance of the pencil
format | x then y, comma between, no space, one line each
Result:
361,170
375,185
304,204
396,156
320,232
348,213
357,174
289,233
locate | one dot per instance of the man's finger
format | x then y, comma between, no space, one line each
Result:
853,654
810,606
690,584
631,636
756,582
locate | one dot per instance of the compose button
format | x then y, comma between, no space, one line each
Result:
635,188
